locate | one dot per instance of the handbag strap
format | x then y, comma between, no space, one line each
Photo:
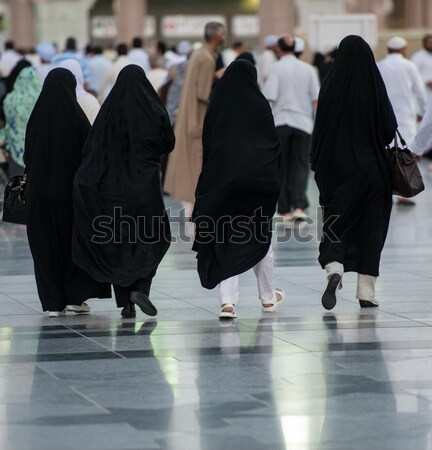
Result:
402,140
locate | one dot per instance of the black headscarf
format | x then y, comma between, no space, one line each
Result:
10,80
57,124
120,173
248,56
7,83
355,119
241,174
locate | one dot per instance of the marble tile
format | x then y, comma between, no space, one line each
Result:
299,379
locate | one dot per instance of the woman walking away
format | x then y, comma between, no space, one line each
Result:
238,190
121,230
18,106
354,122
55,136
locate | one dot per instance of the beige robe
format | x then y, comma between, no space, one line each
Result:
185,162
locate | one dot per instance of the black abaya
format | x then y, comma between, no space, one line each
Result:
354,122
240,180
121,229
55,135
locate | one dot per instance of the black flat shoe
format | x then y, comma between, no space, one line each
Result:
143,302
367,304
128,312
329,297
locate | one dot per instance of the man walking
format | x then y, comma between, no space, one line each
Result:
423,60
406,91
185,162
292,90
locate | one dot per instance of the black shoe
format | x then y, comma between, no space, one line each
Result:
329,297
367,304
140,299
128,312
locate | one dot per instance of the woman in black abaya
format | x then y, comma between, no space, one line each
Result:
55,135
121,229
238,189
354,122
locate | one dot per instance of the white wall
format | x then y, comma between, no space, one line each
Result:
56,20
306,8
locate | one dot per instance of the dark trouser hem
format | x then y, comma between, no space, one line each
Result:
295,148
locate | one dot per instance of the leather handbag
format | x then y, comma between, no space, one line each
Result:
14,207
406,177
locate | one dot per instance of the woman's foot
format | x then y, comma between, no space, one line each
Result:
56,313
401,201
299,214
287,217
271,305
228,311
368,303
128,312
78,309
329,297
143,302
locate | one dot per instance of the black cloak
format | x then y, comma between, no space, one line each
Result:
354,122
240,181
55,135
121,229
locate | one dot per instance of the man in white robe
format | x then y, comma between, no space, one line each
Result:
267,58
404,87
406,92
423,60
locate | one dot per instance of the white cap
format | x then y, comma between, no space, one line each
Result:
46,51
271,40
184,48
397,43
299,45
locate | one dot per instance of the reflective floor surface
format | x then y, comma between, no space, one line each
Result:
299,379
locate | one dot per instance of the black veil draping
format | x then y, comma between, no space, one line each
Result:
240,178
354,122
55,136
121,229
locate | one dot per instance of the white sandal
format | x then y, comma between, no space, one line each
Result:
273,301
228,314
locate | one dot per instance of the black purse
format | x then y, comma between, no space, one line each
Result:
407,180
14,207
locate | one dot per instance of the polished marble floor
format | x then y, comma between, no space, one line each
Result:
299,379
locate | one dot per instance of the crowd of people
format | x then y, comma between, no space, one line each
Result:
102,135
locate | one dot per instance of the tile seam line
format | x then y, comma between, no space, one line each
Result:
95,342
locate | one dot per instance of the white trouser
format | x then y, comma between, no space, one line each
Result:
229,290
365,283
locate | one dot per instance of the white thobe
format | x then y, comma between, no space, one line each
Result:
8,61
265,60
406,91
423,60
423,141
141,58
111,76
98,66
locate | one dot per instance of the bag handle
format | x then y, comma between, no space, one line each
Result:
402,140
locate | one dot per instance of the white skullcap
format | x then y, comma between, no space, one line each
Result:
184,48
299,45
46,51
271,40
397,43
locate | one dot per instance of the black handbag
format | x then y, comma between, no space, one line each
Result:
407,180
14,207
